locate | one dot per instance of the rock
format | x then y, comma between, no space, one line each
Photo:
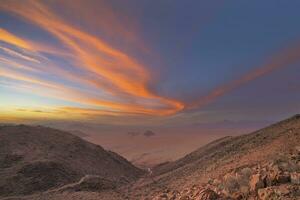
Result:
207,194
283,178
267,194
238,196
273,175
275,192
283,190
257,182
271,179
295,178
216,182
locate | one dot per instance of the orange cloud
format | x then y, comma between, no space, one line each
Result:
284,58
59,91
94,55
10,38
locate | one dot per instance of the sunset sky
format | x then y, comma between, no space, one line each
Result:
149,62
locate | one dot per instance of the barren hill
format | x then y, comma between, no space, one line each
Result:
261,165
258,153
34,159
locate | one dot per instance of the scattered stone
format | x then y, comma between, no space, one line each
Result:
295,178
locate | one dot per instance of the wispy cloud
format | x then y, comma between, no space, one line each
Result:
18,55
95,72
121,73
284,58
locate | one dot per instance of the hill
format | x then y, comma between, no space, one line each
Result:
35,159
261,165
222,164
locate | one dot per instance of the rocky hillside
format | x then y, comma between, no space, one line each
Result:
262,165
34,159
258,165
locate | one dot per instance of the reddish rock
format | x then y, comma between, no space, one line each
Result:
267,193
256,182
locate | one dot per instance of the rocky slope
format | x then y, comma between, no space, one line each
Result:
35,159
262,165
258,165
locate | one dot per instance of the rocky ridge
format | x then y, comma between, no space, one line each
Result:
277,179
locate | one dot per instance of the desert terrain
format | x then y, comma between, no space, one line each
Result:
44,163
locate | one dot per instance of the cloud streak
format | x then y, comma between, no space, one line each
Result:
284,58
121,73
18,55
10,38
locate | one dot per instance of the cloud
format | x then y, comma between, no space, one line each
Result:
95,73
14,64
19,55
120,74
32,110
60,91
284,58
10,38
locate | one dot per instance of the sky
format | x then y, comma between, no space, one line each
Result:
149,63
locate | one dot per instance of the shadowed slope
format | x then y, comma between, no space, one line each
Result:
37,158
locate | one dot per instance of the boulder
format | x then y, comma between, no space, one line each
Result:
276,175
257,182
283,178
